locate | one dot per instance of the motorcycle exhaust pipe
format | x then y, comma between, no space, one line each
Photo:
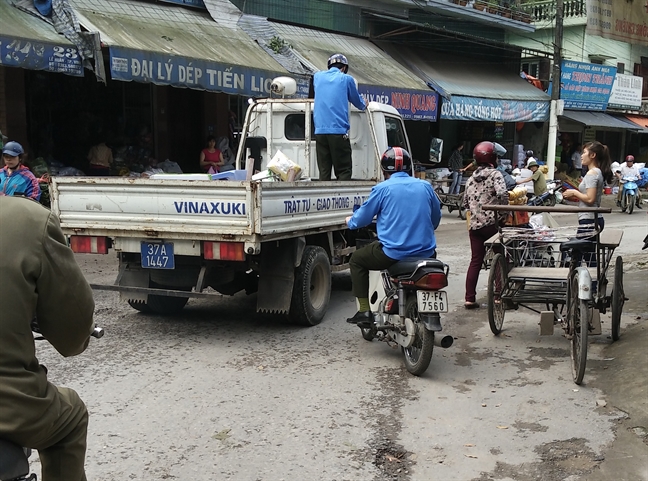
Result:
443,341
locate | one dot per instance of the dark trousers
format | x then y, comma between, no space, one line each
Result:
478,251
368,258
587,226
59,436
333,152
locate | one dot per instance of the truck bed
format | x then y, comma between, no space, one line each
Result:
201,210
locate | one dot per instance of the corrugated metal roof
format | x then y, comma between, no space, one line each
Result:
368,64
262,31
598,119
173,30
19,24
464,76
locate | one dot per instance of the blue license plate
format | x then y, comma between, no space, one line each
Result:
157,255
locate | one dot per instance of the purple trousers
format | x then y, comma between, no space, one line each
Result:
478,251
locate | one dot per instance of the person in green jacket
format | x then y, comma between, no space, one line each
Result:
40,279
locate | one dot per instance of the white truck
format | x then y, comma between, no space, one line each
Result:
179,239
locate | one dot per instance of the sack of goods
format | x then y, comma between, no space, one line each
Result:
285,168
518,196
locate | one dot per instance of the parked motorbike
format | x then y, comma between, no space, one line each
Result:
552,196
407,301
14,460
629,193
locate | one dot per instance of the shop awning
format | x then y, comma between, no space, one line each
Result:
171,45
28,42
380,78
597,120
640,121
472,89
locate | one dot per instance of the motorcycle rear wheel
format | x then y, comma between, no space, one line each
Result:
417,357
630,202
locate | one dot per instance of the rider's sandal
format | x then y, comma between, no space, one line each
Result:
471,305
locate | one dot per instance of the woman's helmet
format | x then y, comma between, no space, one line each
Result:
13,149
484,153
337,59
630,158
396,159
529,153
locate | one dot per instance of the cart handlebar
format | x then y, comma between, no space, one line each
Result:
537,208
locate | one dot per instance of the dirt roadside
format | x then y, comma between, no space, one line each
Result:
623,377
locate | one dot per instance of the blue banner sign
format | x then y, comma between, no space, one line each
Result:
494,110
35,55
586,86
191,3
163,69
411,104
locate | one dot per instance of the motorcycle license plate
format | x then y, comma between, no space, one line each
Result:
432,301
157,255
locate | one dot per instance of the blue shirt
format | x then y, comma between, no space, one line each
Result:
408,211
20,181
333,92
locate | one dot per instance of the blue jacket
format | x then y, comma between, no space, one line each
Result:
408,211
21,181
333,92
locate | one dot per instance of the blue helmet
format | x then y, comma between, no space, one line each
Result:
337,59
13,149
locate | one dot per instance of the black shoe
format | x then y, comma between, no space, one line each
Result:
618,203
366,317
639,206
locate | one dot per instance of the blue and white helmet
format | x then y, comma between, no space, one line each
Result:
14,149
337,59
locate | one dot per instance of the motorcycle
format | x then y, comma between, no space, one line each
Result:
552,196
629,193
407,301
14,460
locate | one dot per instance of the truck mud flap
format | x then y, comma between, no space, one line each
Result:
277,276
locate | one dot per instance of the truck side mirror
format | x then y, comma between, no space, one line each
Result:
436,150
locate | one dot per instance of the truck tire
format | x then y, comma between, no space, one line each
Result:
160,304
140,306
312,288
166,305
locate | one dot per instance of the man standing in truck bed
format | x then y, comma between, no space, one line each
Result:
334,89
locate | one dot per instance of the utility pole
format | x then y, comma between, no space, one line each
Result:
555,91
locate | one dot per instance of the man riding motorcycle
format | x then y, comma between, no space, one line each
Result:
40,278
407,212
629,169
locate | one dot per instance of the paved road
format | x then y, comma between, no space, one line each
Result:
223,393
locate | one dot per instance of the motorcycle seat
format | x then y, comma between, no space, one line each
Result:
408,266
13,461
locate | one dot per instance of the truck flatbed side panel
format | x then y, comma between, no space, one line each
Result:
290,206
144,207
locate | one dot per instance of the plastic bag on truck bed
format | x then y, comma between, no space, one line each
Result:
284,167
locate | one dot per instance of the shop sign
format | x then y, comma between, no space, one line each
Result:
162,69
493,110
411,104
191,3
626,92
622,21
35,55
586,86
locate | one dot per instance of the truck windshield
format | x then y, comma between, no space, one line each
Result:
395,132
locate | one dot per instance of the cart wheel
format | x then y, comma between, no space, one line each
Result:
578,317
618,298
462,213
497,279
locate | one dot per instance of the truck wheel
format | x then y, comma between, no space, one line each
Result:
312,288
166,305
141,306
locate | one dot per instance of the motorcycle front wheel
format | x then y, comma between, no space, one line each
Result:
417,357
